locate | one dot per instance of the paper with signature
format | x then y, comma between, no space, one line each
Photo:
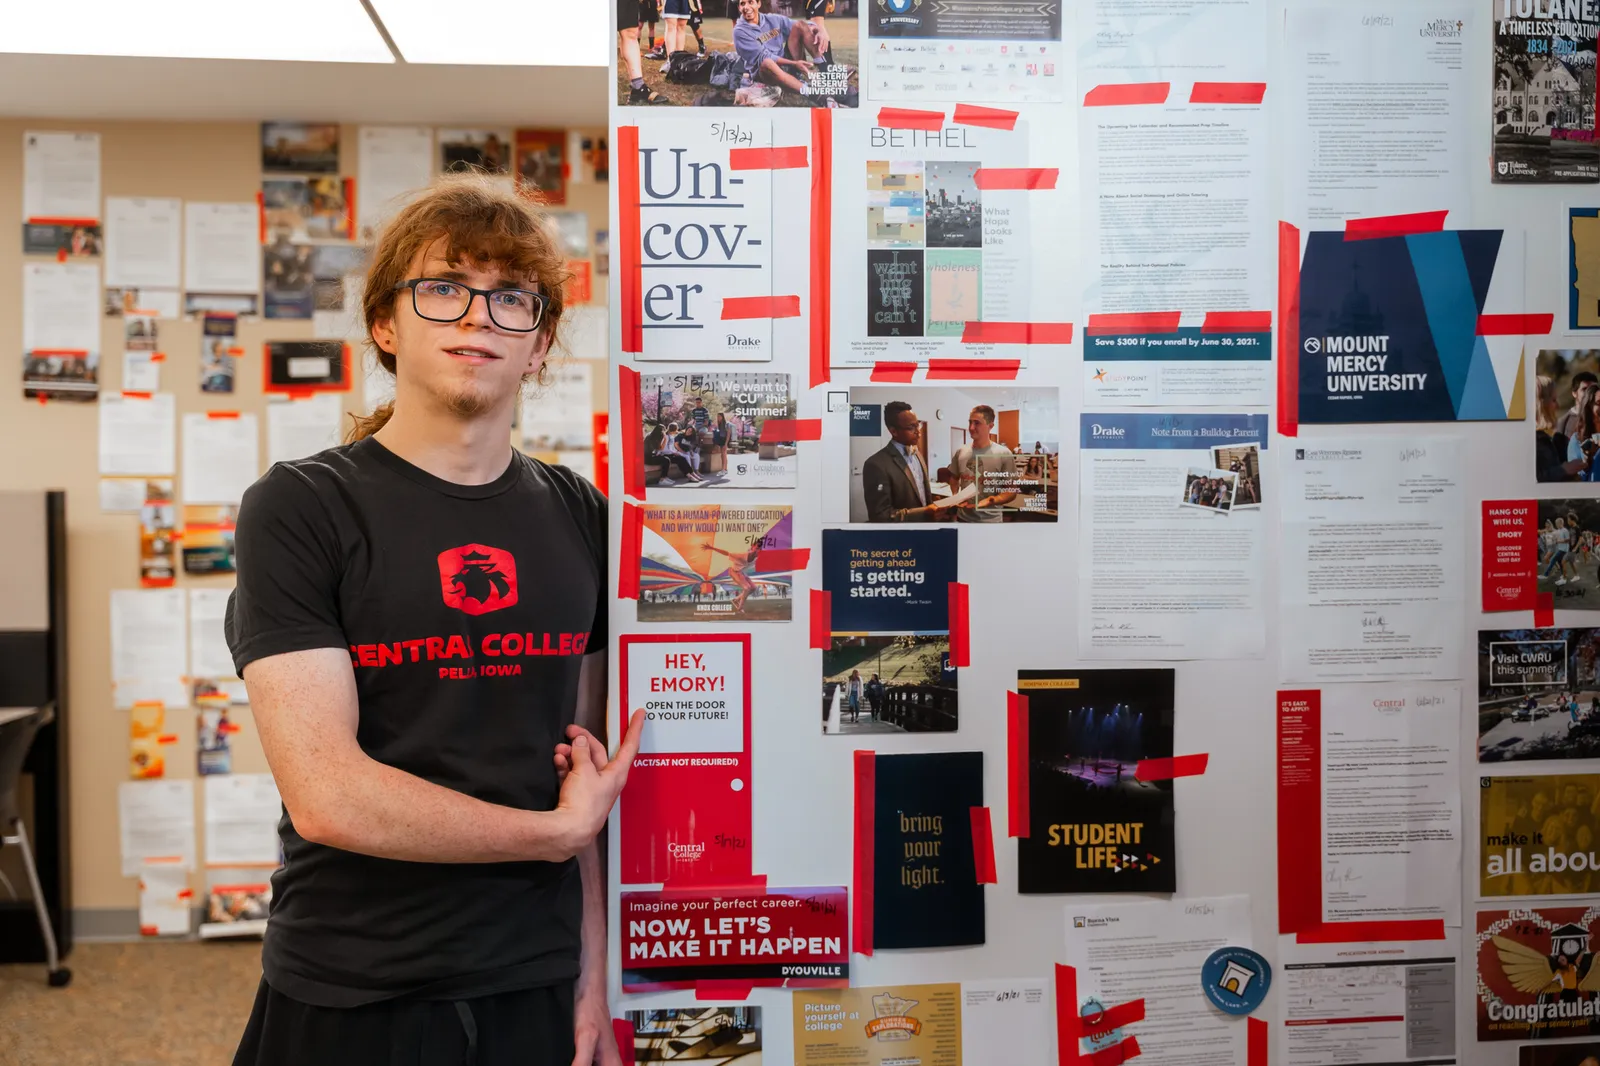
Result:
1154,952
1373,553
1391,803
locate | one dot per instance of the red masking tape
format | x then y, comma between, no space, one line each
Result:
185,893
1228,92
723,989
1017,333
1515,325
993,117
909,118
790,429
1017,765
1148,92
158,357
1112,1018
960,637
1143,322
1367,229
60,220
1113,1055
622,1033
821,241
787,158
1236,322
61,255
261,214
983,846
632,429
861,900
734,307
1068,1025
134,395
1288,330
222,414
350,207
689,886
1363,932
1544,610
821,618
973,369
782,560
631,282
1256,1037
628,563
167,738
893,373
1015,178
1166,769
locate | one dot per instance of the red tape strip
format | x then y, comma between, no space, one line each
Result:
1515,325
1113,1018
1166,769
1363,932
960,636
1017,813
821,618
787,158
135,395
983,846
1367,229
1067,1023
861,900
1236,322
1148,92
1228,92
261,214
821,241
1017,333
776,430
973,369
1288,330
1144,322
622,1033
1257,1038
723,988
1544,610
894,373
1015,178
734,307
782,560
689,886
628,558
632,430
631,281
993,117
909,118
1113,1055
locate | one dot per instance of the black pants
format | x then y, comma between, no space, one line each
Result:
531,1027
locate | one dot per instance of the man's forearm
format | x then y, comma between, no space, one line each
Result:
374,809
592,961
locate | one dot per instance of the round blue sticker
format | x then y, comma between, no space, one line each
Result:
1236,979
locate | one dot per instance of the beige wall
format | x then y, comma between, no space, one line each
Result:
54,446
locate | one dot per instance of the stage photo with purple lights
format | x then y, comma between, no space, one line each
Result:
1092,825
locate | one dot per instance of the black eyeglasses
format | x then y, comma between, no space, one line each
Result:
443,300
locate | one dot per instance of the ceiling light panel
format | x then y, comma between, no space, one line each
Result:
329,31
519,33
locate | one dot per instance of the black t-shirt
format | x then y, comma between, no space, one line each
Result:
467,610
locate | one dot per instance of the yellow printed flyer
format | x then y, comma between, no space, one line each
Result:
903,1025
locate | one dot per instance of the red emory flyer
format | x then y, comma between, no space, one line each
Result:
685,815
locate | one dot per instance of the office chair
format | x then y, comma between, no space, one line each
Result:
16,737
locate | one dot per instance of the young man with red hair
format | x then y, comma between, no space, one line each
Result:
420,619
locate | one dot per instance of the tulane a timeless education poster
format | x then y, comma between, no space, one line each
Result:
1422,327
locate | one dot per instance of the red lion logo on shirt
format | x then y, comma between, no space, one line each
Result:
477,579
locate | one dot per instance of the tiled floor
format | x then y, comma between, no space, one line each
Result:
144,1004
